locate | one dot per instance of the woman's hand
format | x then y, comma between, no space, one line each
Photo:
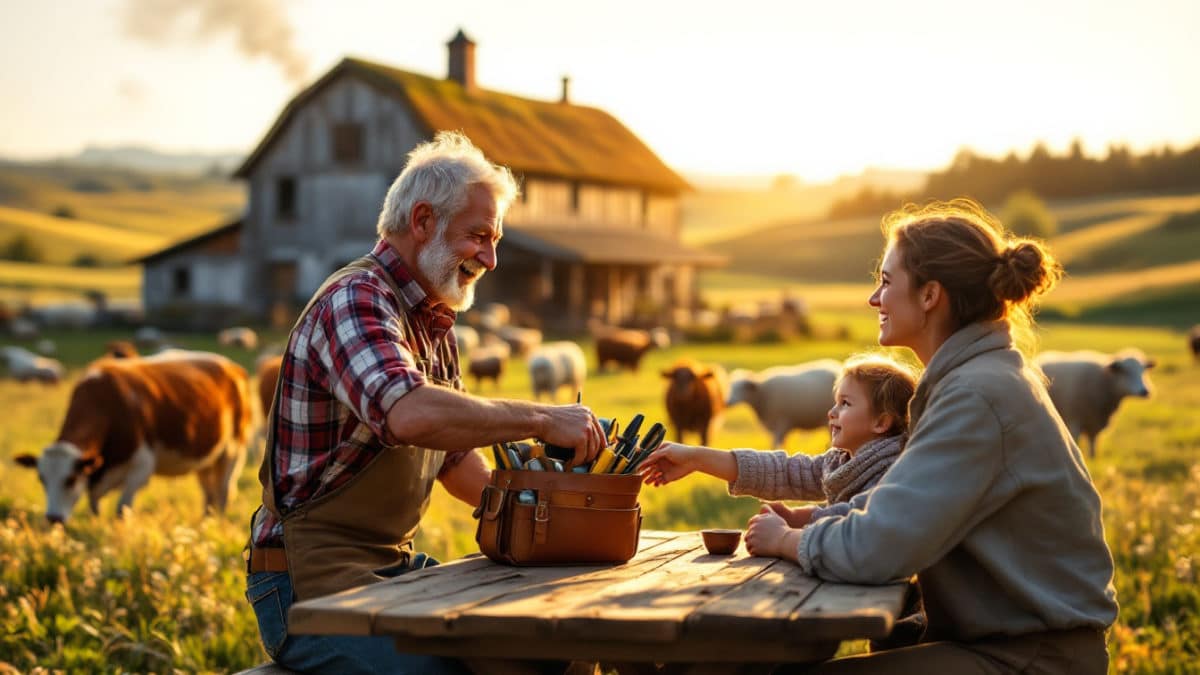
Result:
768,536
795,517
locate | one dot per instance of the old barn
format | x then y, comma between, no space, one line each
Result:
595,233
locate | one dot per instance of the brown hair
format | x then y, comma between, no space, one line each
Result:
988,273
890,386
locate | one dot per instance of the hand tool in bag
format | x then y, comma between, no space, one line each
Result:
650,442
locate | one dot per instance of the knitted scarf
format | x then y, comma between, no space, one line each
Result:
864,469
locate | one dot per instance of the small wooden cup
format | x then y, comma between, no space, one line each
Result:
721,542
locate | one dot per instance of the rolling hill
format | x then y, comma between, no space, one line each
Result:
1129,259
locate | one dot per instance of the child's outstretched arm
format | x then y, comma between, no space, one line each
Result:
672,461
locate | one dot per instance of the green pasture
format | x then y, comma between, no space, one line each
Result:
161,589
109,215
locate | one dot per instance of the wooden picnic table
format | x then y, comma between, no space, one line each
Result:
673,604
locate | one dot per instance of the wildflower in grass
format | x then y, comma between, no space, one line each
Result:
1145,547
1184,570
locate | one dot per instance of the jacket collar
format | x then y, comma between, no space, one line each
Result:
965,344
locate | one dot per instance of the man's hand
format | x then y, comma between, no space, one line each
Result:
574,426
795,517
768,536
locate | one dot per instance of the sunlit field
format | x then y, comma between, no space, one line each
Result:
161,589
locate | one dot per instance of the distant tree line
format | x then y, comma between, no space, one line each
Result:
1072,174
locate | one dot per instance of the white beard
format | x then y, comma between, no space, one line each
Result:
439,264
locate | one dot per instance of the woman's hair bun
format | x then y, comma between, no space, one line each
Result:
1023,270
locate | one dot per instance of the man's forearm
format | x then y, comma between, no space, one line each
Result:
465,480
444,419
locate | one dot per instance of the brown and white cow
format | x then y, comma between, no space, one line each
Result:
128,419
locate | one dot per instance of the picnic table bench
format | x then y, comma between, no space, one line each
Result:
673,605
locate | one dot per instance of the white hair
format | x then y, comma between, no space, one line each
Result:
440,172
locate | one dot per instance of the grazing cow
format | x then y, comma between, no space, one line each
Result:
128,419
25,366
788,397
487,362
266,371
695,397
623,346
1194,342
239,336
555,365
1086,387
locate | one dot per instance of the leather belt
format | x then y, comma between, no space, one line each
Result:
266,560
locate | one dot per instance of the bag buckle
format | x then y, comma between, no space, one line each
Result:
490,503
541,520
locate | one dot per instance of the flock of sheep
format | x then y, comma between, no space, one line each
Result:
1085,387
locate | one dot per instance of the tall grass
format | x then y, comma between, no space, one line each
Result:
161,589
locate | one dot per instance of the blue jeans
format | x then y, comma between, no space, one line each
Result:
270,594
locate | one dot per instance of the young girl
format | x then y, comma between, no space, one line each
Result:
867,424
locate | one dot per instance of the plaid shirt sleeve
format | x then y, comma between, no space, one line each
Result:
366,355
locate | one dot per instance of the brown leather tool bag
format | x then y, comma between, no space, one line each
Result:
557,518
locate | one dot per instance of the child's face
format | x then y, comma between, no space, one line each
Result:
851,421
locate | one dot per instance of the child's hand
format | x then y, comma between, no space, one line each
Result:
768,536
669,462
795,517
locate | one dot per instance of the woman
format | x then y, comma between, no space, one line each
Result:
990,505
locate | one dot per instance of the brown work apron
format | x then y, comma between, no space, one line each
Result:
362,531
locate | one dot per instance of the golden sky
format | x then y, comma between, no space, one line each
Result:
813,88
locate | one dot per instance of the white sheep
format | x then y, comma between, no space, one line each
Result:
522,341
1087,386
25,366
787,397
149,339
238,336
467,339
555,365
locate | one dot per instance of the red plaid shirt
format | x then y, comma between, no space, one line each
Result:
346,363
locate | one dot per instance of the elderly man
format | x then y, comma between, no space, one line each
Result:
370,409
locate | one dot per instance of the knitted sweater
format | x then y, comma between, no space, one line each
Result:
834,475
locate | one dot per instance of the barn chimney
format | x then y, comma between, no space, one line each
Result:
462,60
566,90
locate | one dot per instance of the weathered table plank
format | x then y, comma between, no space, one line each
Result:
520,606
458,583
672,603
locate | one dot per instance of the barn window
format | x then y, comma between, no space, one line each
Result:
347,143
286,198
181,281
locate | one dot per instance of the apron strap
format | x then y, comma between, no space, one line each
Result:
368,262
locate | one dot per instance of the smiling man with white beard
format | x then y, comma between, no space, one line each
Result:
370,409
